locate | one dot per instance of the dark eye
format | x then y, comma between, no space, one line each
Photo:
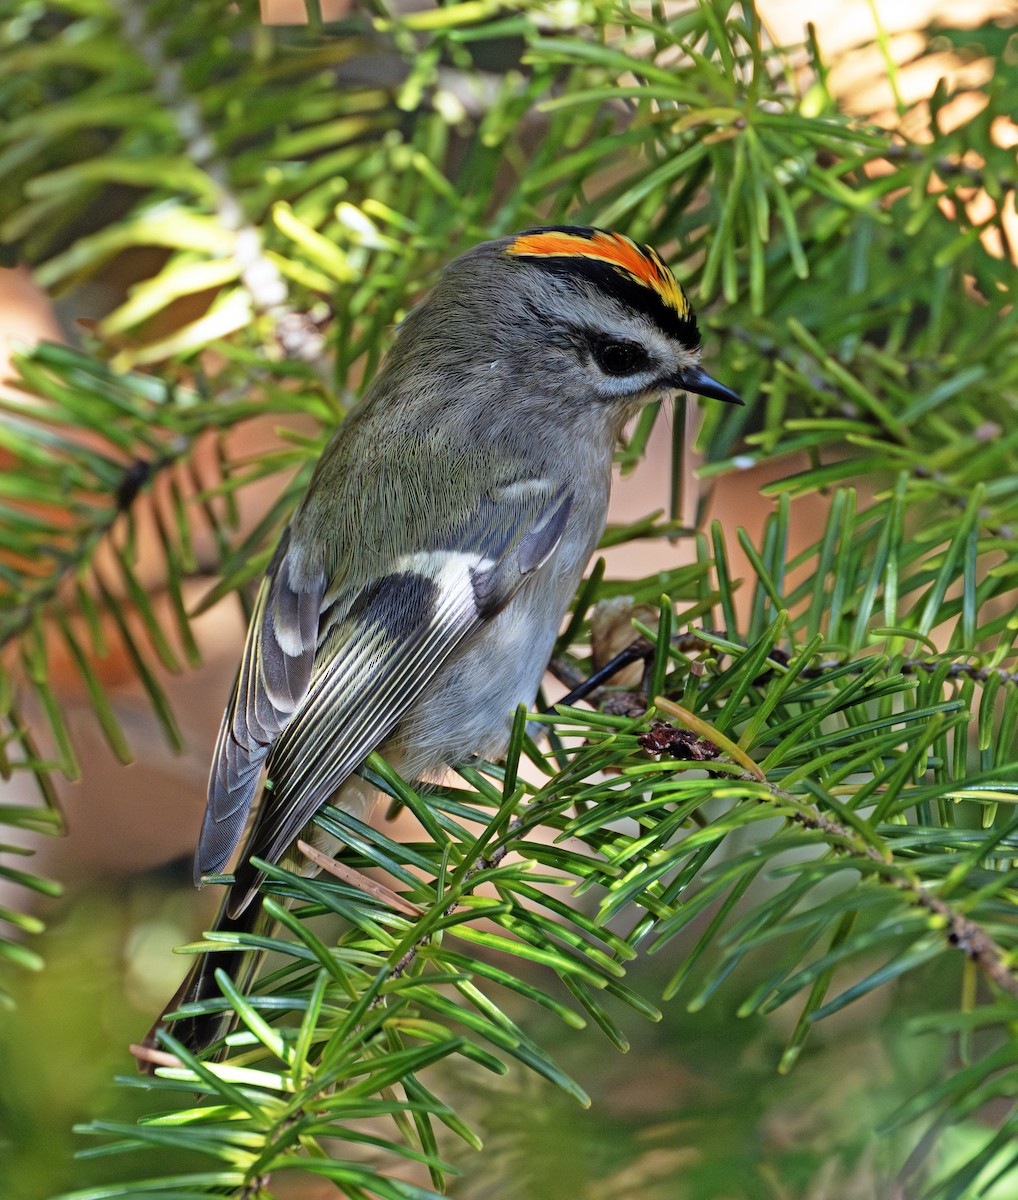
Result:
618,357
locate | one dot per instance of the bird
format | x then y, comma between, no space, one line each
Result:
413,600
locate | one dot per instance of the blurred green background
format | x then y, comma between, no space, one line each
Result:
695,1111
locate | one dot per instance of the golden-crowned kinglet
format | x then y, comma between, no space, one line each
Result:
414,599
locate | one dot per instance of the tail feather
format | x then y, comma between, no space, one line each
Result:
202,1031
200,1034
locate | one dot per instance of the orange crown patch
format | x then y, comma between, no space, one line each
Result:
638,263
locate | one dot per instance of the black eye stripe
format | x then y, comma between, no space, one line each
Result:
618,356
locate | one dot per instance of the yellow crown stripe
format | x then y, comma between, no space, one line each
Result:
644,266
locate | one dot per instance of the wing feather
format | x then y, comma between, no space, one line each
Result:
272,681
327,672
352,707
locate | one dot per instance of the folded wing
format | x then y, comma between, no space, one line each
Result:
325,679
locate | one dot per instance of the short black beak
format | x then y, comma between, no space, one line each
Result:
693,379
